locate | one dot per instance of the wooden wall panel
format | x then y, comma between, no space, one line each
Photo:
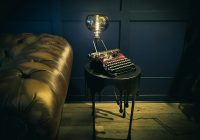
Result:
26,26
90,5
25,10
18,16
157,47
159,5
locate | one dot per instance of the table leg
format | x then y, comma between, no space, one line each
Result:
131,118
124,113
86,89
93,116
120,103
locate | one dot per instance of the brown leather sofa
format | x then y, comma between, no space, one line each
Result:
34,77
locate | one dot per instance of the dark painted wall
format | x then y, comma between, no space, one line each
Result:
151,32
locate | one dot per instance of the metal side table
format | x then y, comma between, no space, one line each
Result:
127,85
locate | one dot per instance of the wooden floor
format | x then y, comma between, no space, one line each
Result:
152,121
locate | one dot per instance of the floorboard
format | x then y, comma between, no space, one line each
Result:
152,121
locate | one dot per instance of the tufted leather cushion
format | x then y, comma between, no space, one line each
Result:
34,78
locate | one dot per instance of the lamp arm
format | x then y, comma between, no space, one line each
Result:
104,45
94,45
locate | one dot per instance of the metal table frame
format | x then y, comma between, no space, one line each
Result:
127,85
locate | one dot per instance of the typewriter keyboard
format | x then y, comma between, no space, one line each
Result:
119,66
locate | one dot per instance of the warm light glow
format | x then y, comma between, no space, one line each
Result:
97,27
97,24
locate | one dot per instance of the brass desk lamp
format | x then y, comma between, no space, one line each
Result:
97,24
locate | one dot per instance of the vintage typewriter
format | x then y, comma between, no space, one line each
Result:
110,62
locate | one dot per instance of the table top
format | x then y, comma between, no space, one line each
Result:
129,75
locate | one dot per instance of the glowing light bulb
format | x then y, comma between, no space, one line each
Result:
97,24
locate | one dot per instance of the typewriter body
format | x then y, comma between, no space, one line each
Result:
111,62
